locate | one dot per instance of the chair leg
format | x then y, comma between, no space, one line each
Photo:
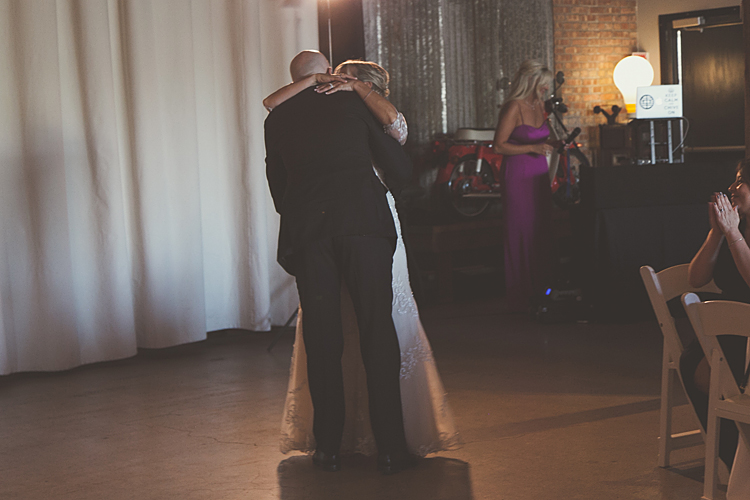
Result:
710,479
744,428
665,415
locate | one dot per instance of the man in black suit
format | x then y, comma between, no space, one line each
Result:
336,224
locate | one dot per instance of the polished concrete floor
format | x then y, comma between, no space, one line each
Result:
546,412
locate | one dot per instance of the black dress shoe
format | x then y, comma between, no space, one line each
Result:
326,461
392,463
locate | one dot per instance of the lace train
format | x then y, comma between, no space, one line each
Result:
428,420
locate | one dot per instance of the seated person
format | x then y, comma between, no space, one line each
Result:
725,258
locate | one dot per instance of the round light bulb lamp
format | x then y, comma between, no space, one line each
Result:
630,73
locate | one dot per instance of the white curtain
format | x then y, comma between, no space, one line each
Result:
134,210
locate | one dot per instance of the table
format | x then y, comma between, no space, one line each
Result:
443,240
641,215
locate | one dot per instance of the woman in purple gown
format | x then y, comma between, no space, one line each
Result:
521,135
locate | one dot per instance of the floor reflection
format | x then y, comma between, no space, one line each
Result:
434,479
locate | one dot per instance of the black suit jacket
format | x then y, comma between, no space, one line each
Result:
320,151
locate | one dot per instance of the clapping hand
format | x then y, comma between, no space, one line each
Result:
712,213
722,214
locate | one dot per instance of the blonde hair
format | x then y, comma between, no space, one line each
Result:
530,77
367,71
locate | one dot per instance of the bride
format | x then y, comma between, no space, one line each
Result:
428,422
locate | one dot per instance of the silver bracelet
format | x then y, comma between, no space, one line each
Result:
736,241
368,95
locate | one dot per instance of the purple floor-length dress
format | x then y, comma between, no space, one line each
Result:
527,204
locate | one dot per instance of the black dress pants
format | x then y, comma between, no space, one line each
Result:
365,265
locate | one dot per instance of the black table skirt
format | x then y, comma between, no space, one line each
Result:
635,216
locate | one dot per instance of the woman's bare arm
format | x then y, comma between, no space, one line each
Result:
288,91
701,268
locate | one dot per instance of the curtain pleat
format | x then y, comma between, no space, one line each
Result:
134,210
447,58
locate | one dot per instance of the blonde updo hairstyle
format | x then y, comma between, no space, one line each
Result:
367,71
530,77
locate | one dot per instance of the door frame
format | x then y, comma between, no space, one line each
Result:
668,35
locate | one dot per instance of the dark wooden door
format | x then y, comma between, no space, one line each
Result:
708,59
713,86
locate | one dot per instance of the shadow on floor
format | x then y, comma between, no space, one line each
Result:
433,478
690,470
575,418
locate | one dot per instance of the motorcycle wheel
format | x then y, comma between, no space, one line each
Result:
456,187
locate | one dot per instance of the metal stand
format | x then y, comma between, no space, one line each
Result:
656,148
282,330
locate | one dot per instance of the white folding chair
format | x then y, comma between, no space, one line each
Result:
661,287
725,399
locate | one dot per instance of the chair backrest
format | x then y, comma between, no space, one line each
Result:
664,286
718,317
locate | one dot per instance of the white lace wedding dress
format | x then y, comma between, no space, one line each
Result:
428,421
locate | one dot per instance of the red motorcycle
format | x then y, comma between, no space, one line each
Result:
470,179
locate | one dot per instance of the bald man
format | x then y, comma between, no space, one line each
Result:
336,225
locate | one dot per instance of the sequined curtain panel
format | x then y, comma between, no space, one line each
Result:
448,58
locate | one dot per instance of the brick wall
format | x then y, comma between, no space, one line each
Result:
591,36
